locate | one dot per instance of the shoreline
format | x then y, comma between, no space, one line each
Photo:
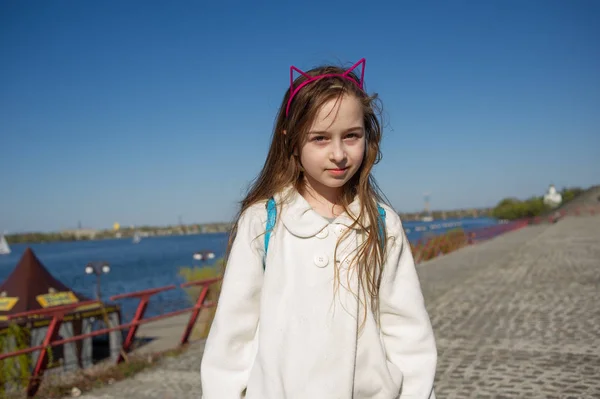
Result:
436,226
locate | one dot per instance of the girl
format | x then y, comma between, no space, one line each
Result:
320,297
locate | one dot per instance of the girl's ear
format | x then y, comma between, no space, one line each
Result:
285,132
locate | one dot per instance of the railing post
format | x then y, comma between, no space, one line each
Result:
144,297
139,314
42,360
194,316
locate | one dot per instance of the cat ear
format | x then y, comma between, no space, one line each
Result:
309,79
362,72
292,69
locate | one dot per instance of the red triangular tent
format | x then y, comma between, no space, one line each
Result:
28,280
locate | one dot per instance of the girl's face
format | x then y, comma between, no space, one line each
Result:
335,145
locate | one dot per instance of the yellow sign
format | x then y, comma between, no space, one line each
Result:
57,299
7,303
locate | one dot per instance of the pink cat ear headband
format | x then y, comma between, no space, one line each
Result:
311,79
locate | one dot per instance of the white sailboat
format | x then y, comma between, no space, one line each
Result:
137,238
4,247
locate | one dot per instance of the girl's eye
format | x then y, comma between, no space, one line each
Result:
319,138
352,136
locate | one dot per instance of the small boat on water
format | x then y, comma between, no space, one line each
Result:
4,247
137,238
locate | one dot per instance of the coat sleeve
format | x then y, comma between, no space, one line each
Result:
231,344
405,325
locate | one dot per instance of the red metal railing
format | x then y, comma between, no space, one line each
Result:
57,314
455,239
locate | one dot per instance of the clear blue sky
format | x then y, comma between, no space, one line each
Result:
143,111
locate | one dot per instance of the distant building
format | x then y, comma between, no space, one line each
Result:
87,234
552,197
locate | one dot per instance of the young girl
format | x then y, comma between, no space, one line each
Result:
326,304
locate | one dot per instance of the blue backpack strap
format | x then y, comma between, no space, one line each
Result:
271,219
381,223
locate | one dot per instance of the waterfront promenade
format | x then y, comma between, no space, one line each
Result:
515,317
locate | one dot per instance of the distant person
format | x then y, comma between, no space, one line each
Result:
326,304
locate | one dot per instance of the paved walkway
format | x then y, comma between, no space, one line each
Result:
515,317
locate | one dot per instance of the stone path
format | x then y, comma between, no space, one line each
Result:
515,317
519,317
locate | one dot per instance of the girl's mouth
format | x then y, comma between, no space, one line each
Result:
337,172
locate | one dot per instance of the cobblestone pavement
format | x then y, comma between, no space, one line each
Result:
519,317
515,317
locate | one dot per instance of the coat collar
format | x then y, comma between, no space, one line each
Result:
301,220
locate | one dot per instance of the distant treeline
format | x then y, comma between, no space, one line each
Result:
86,235
512,208
41,237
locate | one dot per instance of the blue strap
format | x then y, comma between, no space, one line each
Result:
272,218
381,223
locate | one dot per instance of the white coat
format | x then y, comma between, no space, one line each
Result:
285,333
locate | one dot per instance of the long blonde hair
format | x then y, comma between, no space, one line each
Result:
282,168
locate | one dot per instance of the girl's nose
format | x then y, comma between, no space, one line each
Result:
338,154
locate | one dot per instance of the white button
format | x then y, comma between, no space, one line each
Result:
323,233
321,260
340,229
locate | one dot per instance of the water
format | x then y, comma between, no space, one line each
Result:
155,261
